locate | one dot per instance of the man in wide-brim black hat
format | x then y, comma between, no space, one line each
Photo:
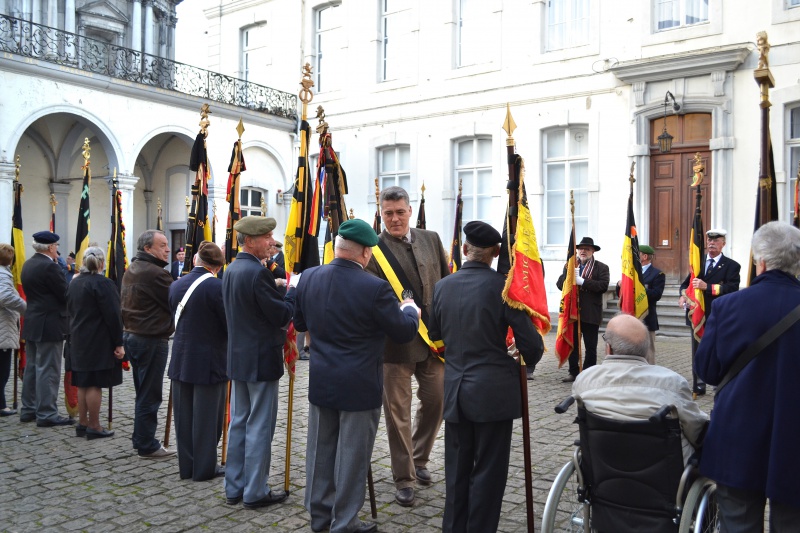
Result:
592,278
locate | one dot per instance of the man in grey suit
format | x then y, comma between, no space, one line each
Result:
256,316
481,382
350,313
43,331
415,260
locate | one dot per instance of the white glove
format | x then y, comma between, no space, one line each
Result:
411,304
577,272
294,279
579,280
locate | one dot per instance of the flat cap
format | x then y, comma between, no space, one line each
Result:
46,237
715,233
646,250
255,225
481,234
357,230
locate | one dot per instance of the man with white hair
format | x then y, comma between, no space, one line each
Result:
751,447
43,330
350,313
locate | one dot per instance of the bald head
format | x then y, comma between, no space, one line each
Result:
627,335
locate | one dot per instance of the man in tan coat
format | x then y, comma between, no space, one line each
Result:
412,260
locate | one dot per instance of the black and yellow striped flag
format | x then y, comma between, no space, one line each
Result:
82,233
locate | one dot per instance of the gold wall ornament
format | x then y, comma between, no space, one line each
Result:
699,171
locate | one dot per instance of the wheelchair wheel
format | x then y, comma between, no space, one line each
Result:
700,508
562,511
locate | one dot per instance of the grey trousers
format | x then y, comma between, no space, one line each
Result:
742,511
199,415
41,379
338,455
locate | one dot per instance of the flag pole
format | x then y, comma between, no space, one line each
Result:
697,180
512,213
17,191
575,287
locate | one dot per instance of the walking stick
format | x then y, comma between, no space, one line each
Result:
526,443
110,407
226,420
16,376
289,434
371,486
169,417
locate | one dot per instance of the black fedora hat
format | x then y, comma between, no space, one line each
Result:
588,241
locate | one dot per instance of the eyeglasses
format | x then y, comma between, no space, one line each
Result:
604,338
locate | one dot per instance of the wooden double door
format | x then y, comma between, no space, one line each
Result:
672,199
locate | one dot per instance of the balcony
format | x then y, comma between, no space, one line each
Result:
56,46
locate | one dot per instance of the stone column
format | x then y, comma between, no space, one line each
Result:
148,26
172,21
61,191
136,29
127,185
52,13
36,11
69,16
6,198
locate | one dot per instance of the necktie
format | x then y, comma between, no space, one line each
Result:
710,265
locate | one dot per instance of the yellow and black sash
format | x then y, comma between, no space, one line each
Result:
399,281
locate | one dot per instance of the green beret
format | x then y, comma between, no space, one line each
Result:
646,250
254,225
357,230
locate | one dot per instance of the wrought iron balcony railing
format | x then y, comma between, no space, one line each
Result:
44,43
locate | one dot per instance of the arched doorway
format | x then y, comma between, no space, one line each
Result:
672,199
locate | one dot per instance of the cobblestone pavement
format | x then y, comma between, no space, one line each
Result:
53,481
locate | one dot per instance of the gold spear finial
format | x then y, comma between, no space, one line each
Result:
16,169
352,215
423,188
698,168
509,126
188,205
240,128
205,110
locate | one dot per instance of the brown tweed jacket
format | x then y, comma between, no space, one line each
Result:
424,263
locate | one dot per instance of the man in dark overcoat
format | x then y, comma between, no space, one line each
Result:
592,278
350,314
654,281
481,383
257,316
43,330
720,276
751,446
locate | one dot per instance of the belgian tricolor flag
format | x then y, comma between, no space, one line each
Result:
235,169
568,310
632,294
697,311
117,257
455,245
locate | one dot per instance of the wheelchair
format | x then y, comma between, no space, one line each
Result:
628,476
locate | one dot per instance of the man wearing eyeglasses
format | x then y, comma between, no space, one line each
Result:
43,331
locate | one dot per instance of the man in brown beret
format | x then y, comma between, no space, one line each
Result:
258,314
416,259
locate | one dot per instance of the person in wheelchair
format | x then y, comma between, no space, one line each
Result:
626,387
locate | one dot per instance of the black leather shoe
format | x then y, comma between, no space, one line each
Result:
700,390
568,379
405,497
274,496
233,501
92,434
57,421
27,418
423,475
80,431
367,527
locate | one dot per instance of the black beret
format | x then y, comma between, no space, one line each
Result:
481,234
357,230
46,237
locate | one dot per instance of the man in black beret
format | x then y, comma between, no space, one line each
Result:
350,314
43,330
481,385
592,278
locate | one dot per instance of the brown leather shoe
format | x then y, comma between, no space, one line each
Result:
423,475
405,497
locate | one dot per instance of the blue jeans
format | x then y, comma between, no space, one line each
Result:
148,358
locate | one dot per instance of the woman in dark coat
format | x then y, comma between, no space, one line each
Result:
96,340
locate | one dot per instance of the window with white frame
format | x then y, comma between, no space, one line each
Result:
473,158
475,37
794,156
566,168
671,14
328,46
793,3
253,46
394,164
567,24
250,200
395,39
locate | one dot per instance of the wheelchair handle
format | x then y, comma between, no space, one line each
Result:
564,405
662,413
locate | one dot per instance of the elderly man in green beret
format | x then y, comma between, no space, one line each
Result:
257,315
653,280
350,313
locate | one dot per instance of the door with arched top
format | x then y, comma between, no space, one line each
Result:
672,200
